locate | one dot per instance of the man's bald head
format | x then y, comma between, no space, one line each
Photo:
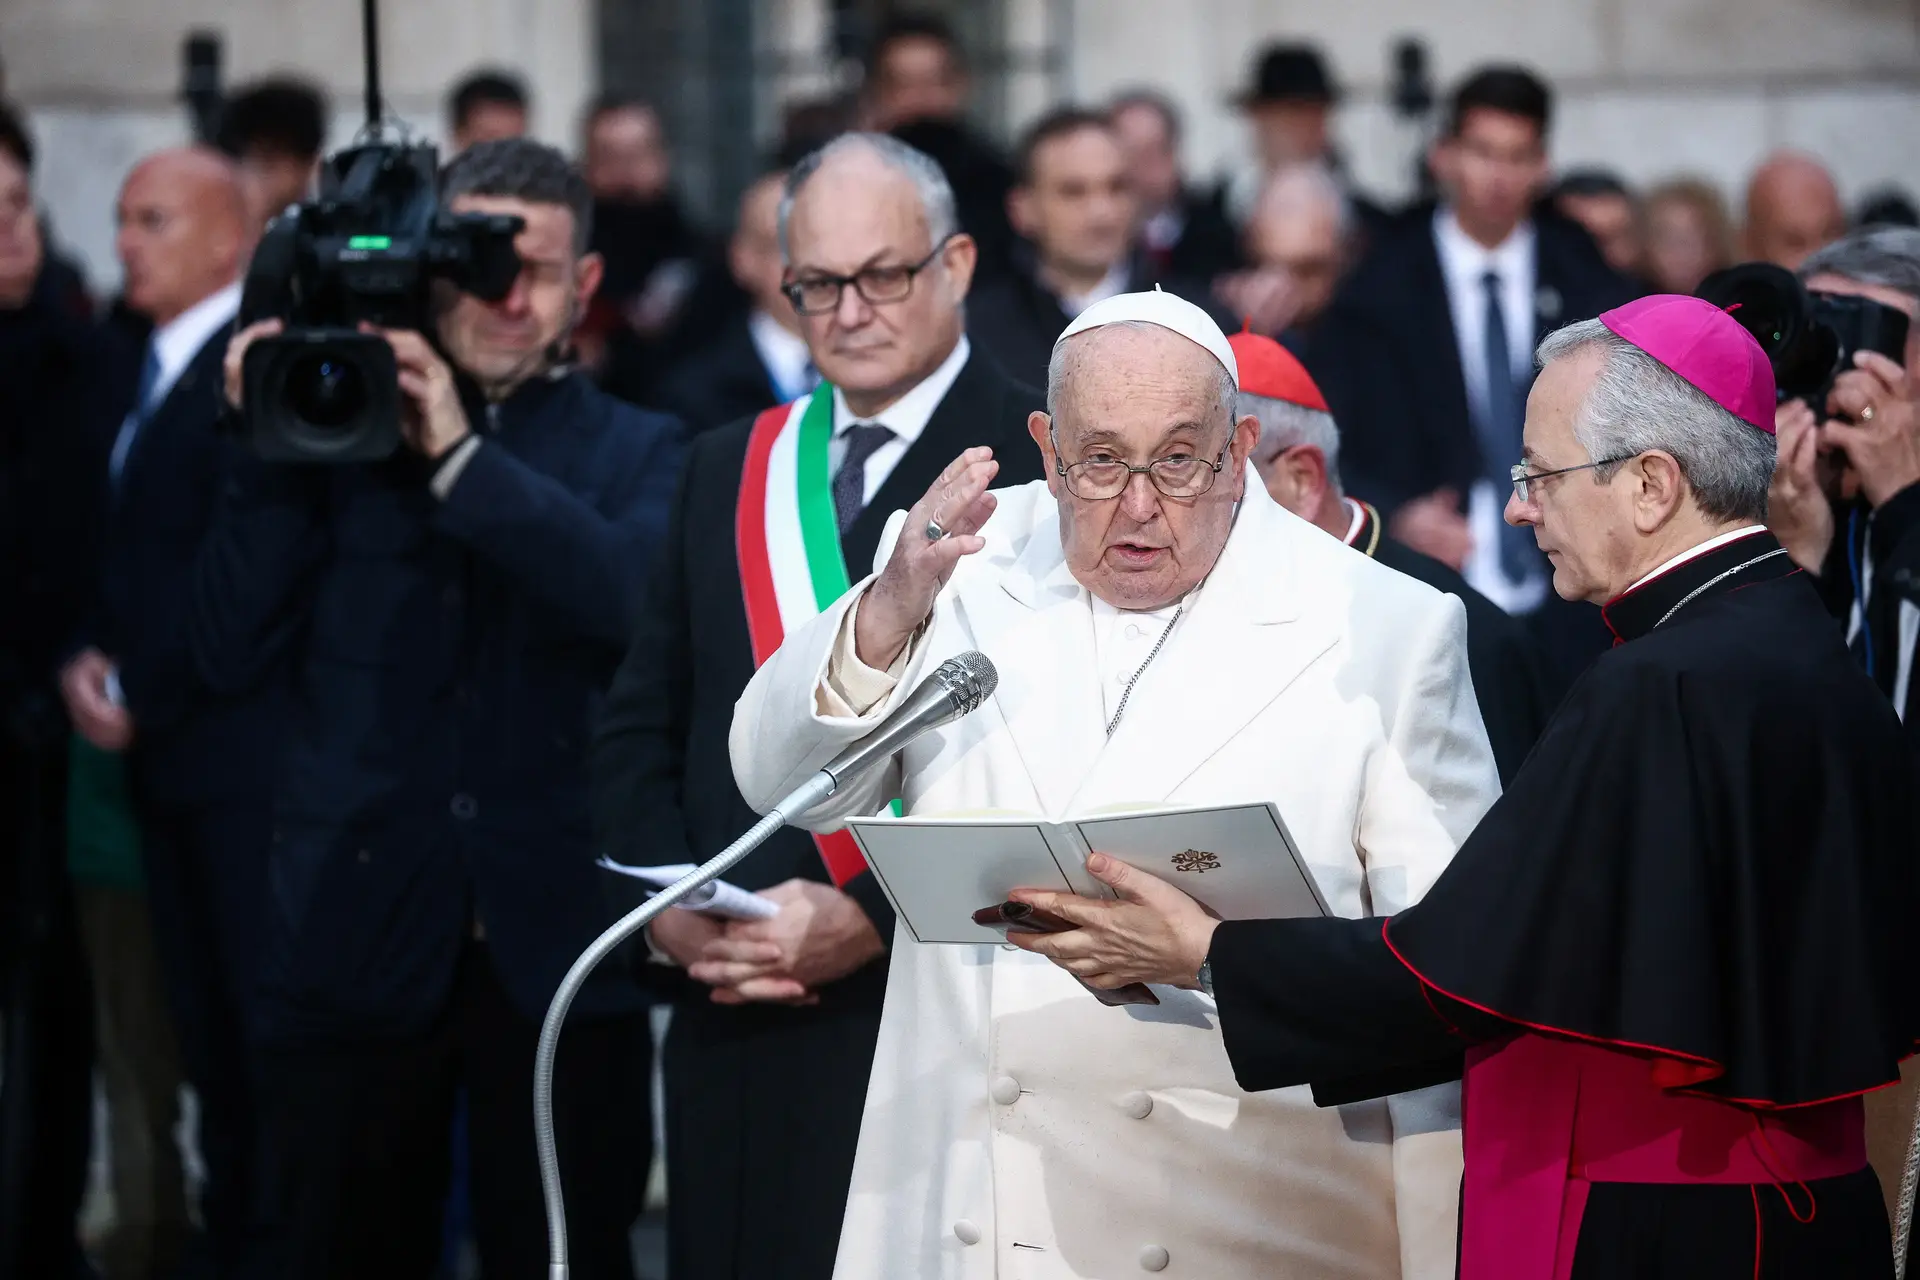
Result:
1302,225
1793,208
185,232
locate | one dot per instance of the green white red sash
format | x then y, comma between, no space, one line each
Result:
788,538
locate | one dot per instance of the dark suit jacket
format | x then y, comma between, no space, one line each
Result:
1386,357
61,380
194,744
1015,319
720,383
766,1100
447,659
1208,245
1510,681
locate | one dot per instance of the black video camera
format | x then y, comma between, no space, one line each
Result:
368,250
1810,338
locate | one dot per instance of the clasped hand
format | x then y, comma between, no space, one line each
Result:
1153,933
819,936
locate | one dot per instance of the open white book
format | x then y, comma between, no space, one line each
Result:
1238,861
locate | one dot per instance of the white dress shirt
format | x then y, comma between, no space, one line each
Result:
1123,640
906,417
174,345
1463,263
1111,285
784,353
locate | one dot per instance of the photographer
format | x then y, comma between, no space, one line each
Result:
1845,500
452,615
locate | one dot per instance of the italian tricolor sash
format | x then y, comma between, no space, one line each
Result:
788,537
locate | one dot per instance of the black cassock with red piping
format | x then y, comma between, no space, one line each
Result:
1711,861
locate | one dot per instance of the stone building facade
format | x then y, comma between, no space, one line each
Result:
1647,87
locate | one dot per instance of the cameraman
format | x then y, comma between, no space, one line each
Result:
1846,489
452,615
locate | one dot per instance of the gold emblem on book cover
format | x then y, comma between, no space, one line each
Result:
1196,860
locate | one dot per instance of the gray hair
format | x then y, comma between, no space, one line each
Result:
1064,355
1311,183
1887,256
929,182
1284,425
1638,404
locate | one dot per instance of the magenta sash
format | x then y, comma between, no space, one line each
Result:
1546,1118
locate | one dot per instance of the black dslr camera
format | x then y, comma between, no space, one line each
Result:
368,250
1810,338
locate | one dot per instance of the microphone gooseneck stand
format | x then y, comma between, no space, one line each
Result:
954,689
822,786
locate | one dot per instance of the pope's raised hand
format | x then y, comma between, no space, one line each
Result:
943,526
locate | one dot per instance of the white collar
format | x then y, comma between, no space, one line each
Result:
1692,553
179,340
1465,259
1359,518
782,351
907,417
1111,285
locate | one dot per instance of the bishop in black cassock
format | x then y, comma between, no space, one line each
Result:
1675,954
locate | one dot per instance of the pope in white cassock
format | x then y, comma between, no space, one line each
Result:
1165,634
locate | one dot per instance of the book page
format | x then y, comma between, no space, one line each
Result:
1239,861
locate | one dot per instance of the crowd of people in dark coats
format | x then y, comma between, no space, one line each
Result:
307,768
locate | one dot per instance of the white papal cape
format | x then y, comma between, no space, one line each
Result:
1017,1129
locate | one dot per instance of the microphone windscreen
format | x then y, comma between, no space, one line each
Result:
970,678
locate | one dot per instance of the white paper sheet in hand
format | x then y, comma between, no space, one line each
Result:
718,898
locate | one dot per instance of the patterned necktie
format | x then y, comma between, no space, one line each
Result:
850,481
137,416
1500,433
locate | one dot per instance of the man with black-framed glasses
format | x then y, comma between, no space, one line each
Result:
774,1024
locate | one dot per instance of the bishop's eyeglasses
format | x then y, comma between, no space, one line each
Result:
1522,477
819,295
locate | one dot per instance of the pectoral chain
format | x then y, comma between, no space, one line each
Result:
1142,670
1692,595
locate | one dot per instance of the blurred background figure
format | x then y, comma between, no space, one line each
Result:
760,358
1290,106
1426,356
1887,206
917,86
1600,201
274,130
53,368
1689,235
1299,243
1793,208
199,763
1076,214
486,104
650,245
1182,232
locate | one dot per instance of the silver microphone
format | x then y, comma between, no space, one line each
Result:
957,686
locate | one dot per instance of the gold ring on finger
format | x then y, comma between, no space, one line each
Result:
933,531
1866,414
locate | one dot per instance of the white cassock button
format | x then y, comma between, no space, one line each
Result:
1137,1104
968,1233
1006,1091
1153,1258
1133,631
